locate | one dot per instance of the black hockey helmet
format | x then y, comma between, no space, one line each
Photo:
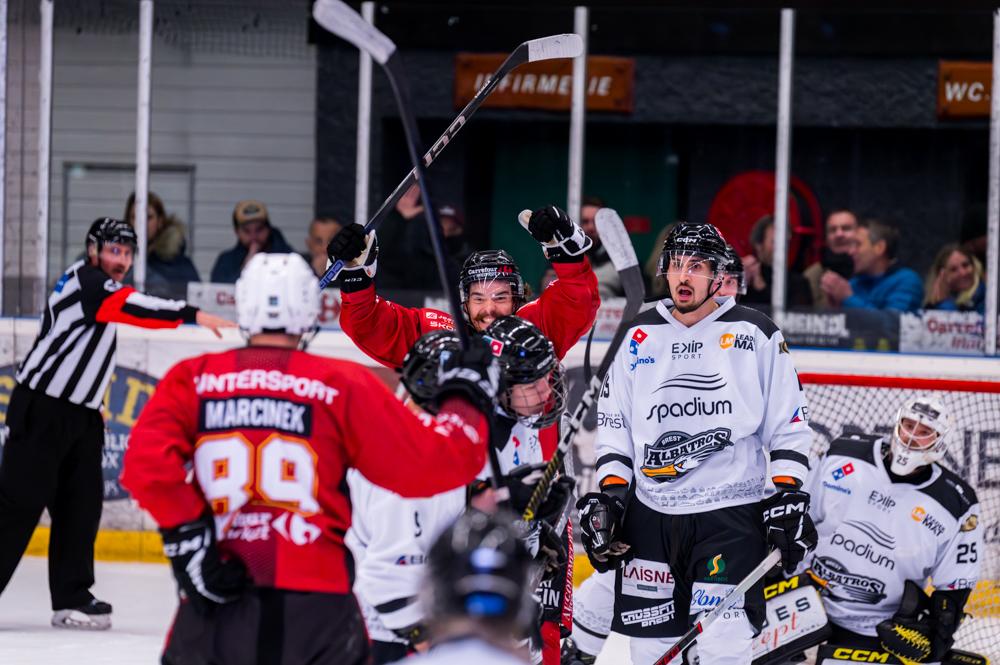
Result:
735,270
489,265
692,239
419,372
107,229
478,568
526,355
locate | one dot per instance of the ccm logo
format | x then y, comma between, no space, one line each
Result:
183,547
861,655
790,509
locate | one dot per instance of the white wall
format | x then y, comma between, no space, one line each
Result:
246,123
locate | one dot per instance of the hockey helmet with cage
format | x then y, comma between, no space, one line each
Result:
526,356
277,293
920,435
734,270
419,372
698,240
478,568
107,230
487,266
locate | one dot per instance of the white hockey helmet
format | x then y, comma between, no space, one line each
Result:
919,437
277,293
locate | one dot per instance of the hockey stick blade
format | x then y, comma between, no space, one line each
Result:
769,562
341,20
568,45
624,259
543,48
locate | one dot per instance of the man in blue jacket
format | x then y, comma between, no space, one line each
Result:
879,282
254,234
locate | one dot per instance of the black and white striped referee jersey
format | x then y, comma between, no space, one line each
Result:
74,354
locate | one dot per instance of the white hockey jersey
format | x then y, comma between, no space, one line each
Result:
390,536
875,534
687,413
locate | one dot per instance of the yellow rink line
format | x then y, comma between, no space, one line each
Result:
146,546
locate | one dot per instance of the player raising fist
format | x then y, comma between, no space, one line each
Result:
255,535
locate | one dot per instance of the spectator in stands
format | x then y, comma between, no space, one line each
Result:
955,281
758,269
321,232
841,240
406,256
879,281
608,282
254,234
168,268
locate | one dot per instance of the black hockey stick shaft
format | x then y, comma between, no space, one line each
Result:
769,562
616,240
545,48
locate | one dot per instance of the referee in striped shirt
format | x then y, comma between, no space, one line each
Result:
52,457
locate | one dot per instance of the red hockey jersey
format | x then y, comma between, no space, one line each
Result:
265,435
386,331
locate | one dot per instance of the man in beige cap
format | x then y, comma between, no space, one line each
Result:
254,234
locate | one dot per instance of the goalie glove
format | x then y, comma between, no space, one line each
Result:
204,577
359,252
908,633
561,239
601,515
788,526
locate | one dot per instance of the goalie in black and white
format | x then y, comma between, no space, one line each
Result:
889,515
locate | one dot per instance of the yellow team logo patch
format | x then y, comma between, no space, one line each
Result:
971,523
918,514
726,341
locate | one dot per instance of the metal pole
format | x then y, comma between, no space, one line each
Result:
142,138
361,167
581,19
44,143
993,205
3,146
783,152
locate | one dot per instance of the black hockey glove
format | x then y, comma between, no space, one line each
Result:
359,252
204,577
561,239
601,515
473,373
542,539
788,526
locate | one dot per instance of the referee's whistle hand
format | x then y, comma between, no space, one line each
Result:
213,322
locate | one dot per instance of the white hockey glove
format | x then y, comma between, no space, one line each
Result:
359,252
561,239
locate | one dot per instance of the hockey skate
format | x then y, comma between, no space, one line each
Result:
95,615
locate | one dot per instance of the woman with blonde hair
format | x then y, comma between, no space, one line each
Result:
955,281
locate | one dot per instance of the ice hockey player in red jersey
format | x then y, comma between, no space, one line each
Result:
241,458
491,287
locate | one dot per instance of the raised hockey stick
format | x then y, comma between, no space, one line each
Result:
544,48
341,20
347,24
769,562
616,241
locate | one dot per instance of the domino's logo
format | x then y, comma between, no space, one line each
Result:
638,337
845,470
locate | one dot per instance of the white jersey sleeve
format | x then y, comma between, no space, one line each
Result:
783,428
613,445
957,565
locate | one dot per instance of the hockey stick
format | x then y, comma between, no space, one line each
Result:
347,24
616,241
544,48
341,20
769,562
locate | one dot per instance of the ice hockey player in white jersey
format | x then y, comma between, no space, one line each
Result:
476,593
693,406
594,599
889,515
390,536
